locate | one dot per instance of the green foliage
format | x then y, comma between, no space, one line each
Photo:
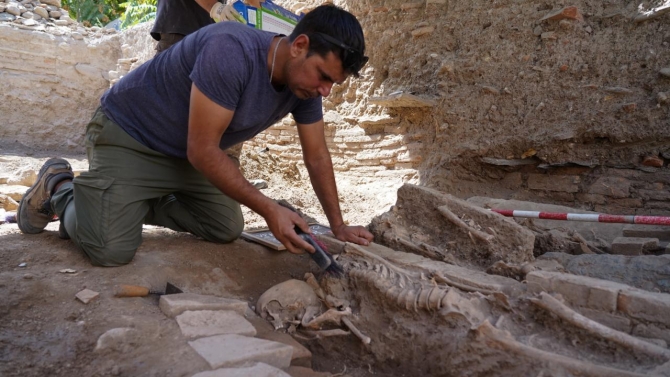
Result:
93,12
137,11
100,12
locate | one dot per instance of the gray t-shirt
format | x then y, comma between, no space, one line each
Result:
227,62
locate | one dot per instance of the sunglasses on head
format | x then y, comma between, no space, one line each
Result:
352,60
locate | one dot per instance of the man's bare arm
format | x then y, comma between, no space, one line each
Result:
320,168
206,124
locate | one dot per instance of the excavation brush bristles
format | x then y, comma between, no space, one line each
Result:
590,217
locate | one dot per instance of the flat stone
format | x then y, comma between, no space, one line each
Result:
257,370
578,290
233,350
508,162
645,305
401,99
173,305
633,245
200,323
648,231
301,355
87,295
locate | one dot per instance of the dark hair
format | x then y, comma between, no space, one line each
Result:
331,28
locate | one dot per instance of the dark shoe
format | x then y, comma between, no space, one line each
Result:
35,210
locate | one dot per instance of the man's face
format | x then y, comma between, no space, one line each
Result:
313,76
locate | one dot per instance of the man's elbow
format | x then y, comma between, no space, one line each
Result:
195,157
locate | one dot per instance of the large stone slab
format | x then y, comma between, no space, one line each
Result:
257,370
648,272
648,306
234,350
173,305
577,290
200,323
647,231
633,245
301,355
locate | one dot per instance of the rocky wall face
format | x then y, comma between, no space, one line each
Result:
52,77
564,103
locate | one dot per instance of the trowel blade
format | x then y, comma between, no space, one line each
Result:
171,289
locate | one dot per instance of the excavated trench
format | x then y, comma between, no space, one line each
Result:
513,105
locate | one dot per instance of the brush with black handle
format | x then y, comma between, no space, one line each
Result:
320,255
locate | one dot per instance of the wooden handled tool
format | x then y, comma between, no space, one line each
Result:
140,291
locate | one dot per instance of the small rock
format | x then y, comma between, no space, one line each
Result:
588,29
54,14
490,89
61,22
121,339
652,161
665,72
7,17
663,97
24,264
563,68
422,31
618,90
67,271
13,10
537,31
549,35
629,107
28,276
41,12
567,12
29,22
87,295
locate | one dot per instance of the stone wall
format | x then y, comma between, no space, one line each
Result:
51,83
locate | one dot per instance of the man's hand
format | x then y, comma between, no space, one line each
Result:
282,222
356,234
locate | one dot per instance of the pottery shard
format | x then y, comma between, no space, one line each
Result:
652,161
563,13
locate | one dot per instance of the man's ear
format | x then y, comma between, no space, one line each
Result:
300,45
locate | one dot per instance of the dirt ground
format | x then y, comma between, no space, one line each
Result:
45,330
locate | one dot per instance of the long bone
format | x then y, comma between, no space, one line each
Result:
549,303
355,249
503,341
364,338
444,210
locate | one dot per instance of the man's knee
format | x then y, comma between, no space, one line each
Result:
227,231
108,256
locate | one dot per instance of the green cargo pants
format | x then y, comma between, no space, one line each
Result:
128,185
